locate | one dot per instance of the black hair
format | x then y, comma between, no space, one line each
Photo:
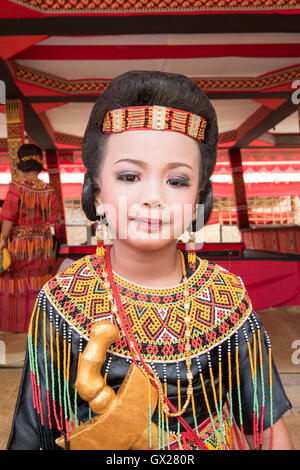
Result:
148,88
27,150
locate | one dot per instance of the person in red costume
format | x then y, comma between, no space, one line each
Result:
29,211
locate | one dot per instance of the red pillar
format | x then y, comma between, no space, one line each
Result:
54,177
15,132
235,158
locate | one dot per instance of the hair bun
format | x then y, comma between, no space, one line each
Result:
30,158
207,200
89,191
205,207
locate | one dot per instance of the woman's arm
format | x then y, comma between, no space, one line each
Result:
34,426
9,213
280,439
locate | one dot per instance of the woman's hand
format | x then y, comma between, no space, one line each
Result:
5,231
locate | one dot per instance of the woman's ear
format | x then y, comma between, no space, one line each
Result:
198,199
98,204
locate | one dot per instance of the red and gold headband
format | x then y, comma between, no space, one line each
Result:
32,157
155,118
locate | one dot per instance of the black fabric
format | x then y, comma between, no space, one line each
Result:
26,433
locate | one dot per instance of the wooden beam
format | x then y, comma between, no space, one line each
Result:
264,147
32,123
268,121
281,140
151,24
52,158
235,95
235,159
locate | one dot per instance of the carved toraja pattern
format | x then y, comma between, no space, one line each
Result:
68,139
211,84
140,6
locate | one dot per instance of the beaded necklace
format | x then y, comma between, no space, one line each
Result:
121,319
120,315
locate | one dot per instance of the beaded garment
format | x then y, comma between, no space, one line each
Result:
219,305
231,355
32,207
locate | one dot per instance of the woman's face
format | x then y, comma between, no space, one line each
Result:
148,184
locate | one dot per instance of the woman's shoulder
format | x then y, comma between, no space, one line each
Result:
73,275
49,187
31,185
220,286
44,186
15,184
73,293
216,272
73,268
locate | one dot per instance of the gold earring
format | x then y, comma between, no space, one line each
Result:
103,235
100,239
191,252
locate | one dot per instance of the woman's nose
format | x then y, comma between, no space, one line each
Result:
152,195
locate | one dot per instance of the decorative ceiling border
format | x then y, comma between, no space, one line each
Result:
68,139
74,87
58,137
229,136
61,85
108,7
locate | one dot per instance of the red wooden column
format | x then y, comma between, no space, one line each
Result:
15,132
54,179
235,158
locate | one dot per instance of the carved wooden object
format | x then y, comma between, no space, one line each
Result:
123,417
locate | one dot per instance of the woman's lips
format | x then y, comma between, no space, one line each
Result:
149,224
150,221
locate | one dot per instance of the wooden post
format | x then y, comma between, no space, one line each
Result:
220,209
15,132
295,206
54,179
235,158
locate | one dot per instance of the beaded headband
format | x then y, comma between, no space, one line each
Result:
155,118
32,157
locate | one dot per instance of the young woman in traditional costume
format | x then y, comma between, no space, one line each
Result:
28,212
186,324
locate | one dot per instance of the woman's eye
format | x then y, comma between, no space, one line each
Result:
127,178
178,182
131,178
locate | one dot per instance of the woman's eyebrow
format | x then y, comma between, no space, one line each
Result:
131,160
144,164
176,164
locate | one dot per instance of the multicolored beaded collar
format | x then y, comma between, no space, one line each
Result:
154,118
219,305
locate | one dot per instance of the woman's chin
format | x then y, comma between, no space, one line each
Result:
150,243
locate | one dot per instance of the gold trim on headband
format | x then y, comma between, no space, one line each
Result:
156,118
32,157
